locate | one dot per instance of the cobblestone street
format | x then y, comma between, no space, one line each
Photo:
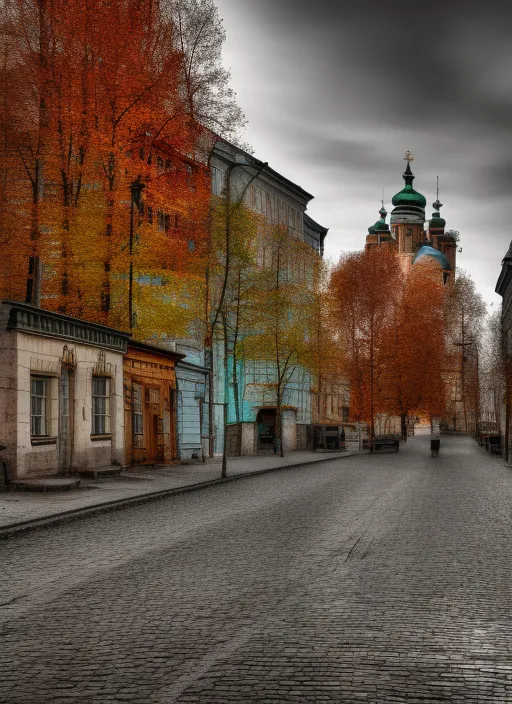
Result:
377,578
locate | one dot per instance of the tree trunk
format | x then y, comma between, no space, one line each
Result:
403,426
279,423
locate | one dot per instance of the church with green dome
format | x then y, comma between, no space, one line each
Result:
415,239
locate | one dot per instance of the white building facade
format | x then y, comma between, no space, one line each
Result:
61,392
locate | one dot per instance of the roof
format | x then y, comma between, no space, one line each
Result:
38,321
427,252
225,155
155,349
315,226
408,196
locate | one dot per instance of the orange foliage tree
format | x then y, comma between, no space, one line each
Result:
391,326
92,99
414,350
364,286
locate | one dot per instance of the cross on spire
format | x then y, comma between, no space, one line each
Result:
408,157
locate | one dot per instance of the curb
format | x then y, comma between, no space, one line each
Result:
118,504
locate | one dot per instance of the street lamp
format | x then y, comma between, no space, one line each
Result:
136,194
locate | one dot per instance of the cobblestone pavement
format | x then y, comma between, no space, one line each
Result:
19,506
385,578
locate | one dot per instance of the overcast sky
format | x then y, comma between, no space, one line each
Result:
335,91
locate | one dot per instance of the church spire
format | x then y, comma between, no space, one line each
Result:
437,222
408,175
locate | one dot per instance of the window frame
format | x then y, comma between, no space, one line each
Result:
138,413
102,428
46,400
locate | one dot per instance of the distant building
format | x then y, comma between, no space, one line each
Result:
408,235
417,240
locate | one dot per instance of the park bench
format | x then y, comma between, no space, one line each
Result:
381,441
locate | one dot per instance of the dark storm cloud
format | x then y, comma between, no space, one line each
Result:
335,91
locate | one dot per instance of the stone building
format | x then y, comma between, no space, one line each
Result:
61,392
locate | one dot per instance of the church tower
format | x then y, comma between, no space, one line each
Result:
444,242
379,233
408,236
408,217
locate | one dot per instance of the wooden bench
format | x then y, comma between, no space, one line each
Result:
386,441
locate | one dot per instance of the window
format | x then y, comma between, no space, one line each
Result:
138,417
217,177
100,405
40,416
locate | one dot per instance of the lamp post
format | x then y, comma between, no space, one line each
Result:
136,194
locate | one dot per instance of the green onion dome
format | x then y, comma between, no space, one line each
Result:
409,204
380,227
436,222
408,196
426,253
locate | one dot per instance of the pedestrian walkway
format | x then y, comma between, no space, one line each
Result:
20,510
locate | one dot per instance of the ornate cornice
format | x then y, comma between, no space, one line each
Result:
36,321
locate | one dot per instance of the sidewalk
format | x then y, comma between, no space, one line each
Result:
23,510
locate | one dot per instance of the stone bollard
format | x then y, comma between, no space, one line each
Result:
434,447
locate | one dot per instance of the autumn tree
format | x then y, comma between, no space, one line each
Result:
413,348
492,367
92,99
279,312
326,346
199,36
465,315
231,259
364,286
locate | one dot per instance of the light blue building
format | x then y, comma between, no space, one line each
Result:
281,202
192,403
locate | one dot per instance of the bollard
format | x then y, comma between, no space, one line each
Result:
434,447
